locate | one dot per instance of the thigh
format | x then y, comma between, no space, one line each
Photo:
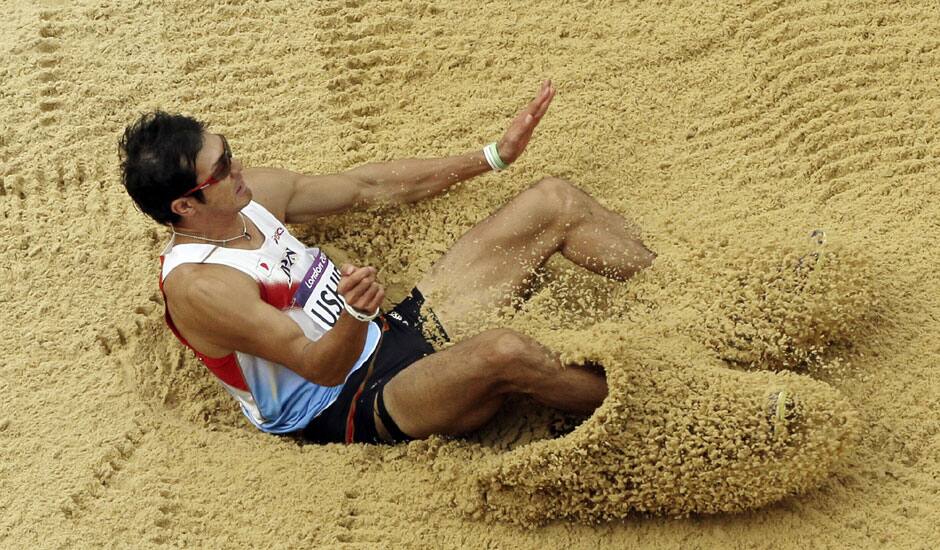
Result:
402,345
495,261
450,392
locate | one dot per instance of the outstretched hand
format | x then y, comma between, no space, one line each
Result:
517,136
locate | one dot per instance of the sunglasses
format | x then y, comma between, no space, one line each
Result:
224,169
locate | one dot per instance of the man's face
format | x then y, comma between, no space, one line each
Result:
222,172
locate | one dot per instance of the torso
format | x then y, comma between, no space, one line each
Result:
187,323
176,281
180,310
279,270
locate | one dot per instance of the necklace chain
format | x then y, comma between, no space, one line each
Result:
223,242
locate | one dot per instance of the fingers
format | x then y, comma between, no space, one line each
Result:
546,91
520,130
540,97
538,106
360,289
545,103
544,99
345,271
372,299
366,298
355,294
350,279
377,300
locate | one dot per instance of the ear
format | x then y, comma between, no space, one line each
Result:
184,207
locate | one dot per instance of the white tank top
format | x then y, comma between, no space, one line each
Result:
299,281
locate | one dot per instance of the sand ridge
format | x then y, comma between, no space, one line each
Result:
728,133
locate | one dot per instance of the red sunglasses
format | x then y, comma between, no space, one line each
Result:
222,172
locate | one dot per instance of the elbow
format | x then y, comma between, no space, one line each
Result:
317,375
317,369
321,376
332,381
376,195
369,193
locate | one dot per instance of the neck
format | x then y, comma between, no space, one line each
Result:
231,229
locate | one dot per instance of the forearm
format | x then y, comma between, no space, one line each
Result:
410,180
328,360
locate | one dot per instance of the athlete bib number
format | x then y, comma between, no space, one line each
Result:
317,293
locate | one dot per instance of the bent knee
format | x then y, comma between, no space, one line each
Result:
565,201
511,361
503,346
558,189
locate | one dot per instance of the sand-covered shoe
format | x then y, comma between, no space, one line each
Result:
782,411
675,439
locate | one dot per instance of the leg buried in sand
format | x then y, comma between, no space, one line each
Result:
459,389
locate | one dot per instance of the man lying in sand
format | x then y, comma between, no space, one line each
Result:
303,345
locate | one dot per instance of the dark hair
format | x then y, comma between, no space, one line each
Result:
158,162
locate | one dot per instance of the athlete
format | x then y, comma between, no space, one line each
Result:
303,345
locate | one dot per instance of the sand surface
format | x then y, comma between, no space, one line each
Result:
727,132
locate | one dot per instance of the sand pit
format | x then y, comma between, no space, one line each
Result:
728,133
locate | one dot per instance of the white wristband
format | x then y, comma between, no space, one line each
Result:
492,157
358,315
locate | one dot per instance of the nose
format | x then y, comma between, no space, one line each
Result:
236,166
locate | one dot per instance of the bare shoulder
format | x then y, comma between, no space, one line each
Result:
219,310
190,283
298,198
272,188
196,293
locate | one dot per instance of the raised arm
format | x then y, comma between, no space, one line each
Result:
410,180
297,198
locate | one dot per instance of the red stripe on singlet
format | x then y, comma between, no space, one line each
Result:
225,368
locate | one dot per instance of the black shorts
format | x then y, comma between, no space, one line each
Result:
403,343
